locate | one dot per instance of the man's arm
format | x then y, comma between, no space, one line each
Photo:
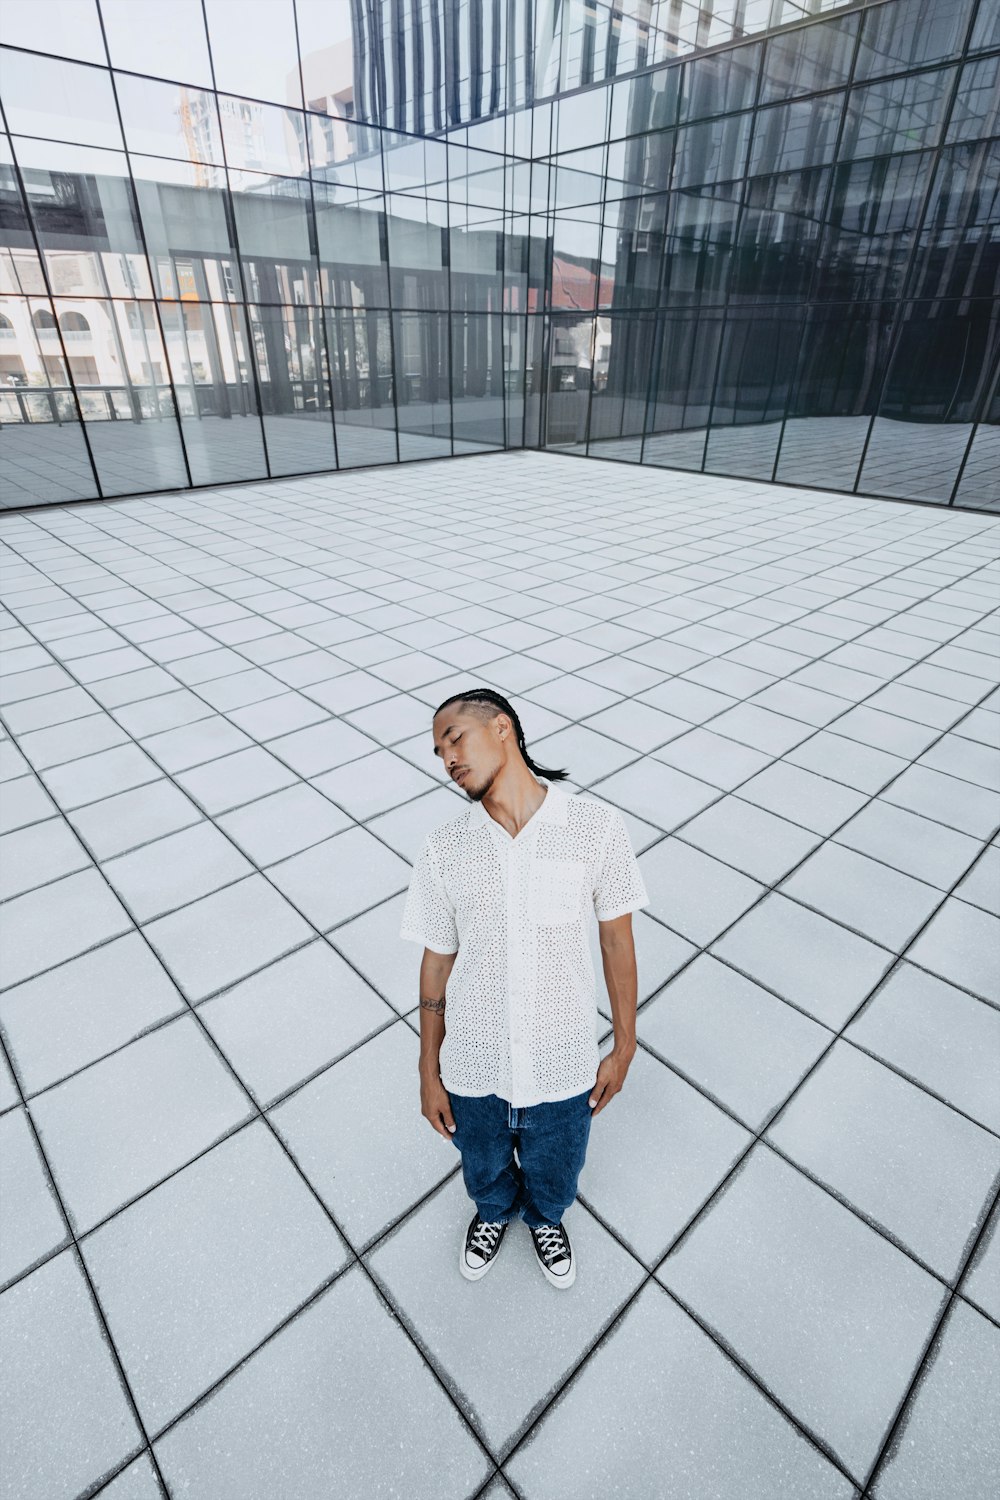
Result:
434,1103
618,955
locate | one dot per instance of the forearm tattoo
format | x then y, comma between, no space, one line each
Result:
437,1006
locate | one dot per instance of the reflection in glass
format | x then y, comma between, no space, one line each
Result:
263,138
361,374
85,218
934,390
477,374
169,119
836,388
756,370
909,33
720,83
624,358
476,259
57,100
353,248
69,27
701,229
814,57
290,352
162,37
958,252
253,49
714,149
183,211
275,234
796,135
632,253
896,116
420,360
208,352
683,381
578,352
779,233
874,209
418,250
976,110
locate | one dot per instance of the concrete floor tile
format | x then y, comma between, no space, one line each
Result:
696,895
950,1439
814,802
515,1305
32,1225
828,1315
310,879
926,850
813,962
174,871
115,1129
67,1419
198,1272
961,943
908,1163
749,838
45,927
37,854
293,1018
739,1044
368,1163
289,1420
863,894
982,1282
659,1397
123,822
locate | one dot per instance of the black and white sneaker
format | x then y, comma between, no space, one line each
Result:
554,1254
479,1251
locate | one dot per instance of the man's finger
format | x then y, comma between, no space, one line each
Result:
449,1121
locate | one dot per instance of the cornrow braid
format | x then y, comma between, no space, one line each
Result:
489,699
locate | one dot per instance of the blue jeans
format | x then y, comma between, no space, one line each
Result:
551,1141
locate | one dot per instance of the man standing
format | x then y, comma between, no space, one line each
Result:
509,1056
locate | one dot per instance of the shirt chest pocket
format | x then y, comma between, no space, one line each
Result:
555,890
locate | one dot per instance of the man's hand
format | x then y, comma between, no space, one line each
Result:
436,1106
610,1077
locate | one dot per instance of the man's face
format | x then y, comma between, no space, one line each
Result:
469,749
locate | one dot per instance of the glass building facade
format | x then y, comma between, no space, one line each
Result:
257,238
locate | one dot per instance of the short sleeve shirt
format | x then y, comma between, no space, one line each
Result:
521,1016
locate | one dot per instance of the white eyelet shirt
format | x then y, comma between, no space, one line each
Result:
521,1015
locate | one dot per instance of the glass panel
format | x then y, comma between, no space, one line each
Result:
909,33
209,358
253,49
581,120
69,27
415,166
576,241
896,116
418,247
123,385
184,216
979,485
263,138
623,358
796,135
169,119
684,377
353,248
940,366
515,335
645,103
165,37
420,358
815,57
338,69
58,100
632,254
720,83
779,234
759,354
874,208
717,149
274,230
290,351
573,347
536,345
842,359
976,111
700,235
986,32
361,368
86,219
476,255
958,253
43,456
477,366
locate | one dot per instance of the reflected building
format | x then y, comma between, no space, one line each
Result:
251,238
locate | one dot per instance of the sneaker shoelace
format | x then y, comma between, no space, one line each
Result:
484,1237
551,1243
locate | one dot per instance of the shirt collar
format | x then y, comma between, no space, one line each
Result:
553,810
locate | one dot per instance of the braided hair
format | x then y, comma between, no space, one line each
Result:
486,704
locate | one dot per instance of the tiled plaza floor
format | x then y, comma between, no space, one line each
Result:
229,1245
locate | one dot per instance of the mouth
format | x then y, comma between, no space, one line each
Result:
459,775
